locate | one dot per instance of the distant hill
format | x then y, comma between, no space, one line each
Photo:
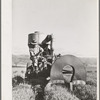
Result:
20,59
89,61
23,59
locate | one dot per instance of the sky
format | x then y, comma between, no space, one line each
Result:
73,23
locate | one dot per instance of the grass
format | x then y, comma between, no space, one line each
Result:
23,92
18,71
57,92
87,92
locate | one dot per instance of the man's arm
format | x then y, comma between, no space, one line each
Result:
40,51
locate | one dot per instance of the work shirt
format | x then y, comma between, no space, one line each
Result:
34,51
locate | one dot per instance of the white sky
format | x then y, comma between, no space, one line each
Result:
73,24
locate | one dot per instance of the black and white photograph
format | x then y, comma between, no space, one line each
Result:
54,50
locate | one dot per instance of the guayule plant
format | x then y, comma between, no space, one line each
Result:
85,92
58,92
17,80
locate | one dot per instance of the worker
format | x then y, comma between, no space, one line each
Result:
35,53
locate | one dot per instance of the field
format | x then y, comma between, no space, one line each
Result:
18,71
57,92
23,91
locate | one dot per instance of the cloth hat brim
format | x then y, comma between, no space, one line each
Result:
33,43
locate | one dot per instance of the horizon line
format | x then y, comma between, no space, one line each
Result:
61,54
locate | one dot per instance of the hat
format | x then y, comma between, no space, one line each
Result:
33,42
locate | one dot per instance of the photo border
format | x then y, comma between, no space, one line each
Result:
6,51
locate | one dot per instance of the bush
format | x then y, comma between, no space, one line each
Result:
58,92
17,80
23,92
86,92
91,83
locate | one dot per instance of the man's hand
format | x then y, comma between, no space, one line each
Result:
48,78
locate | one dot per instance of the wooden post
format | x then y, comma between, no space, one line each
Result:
71,86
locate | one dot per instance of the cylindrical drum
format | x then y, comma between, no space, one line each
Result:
33,36
61,69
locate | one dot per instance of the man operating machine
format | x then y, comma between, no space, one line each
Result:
39,57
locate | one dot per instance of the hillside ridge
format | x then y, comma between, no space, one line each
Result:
23,59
